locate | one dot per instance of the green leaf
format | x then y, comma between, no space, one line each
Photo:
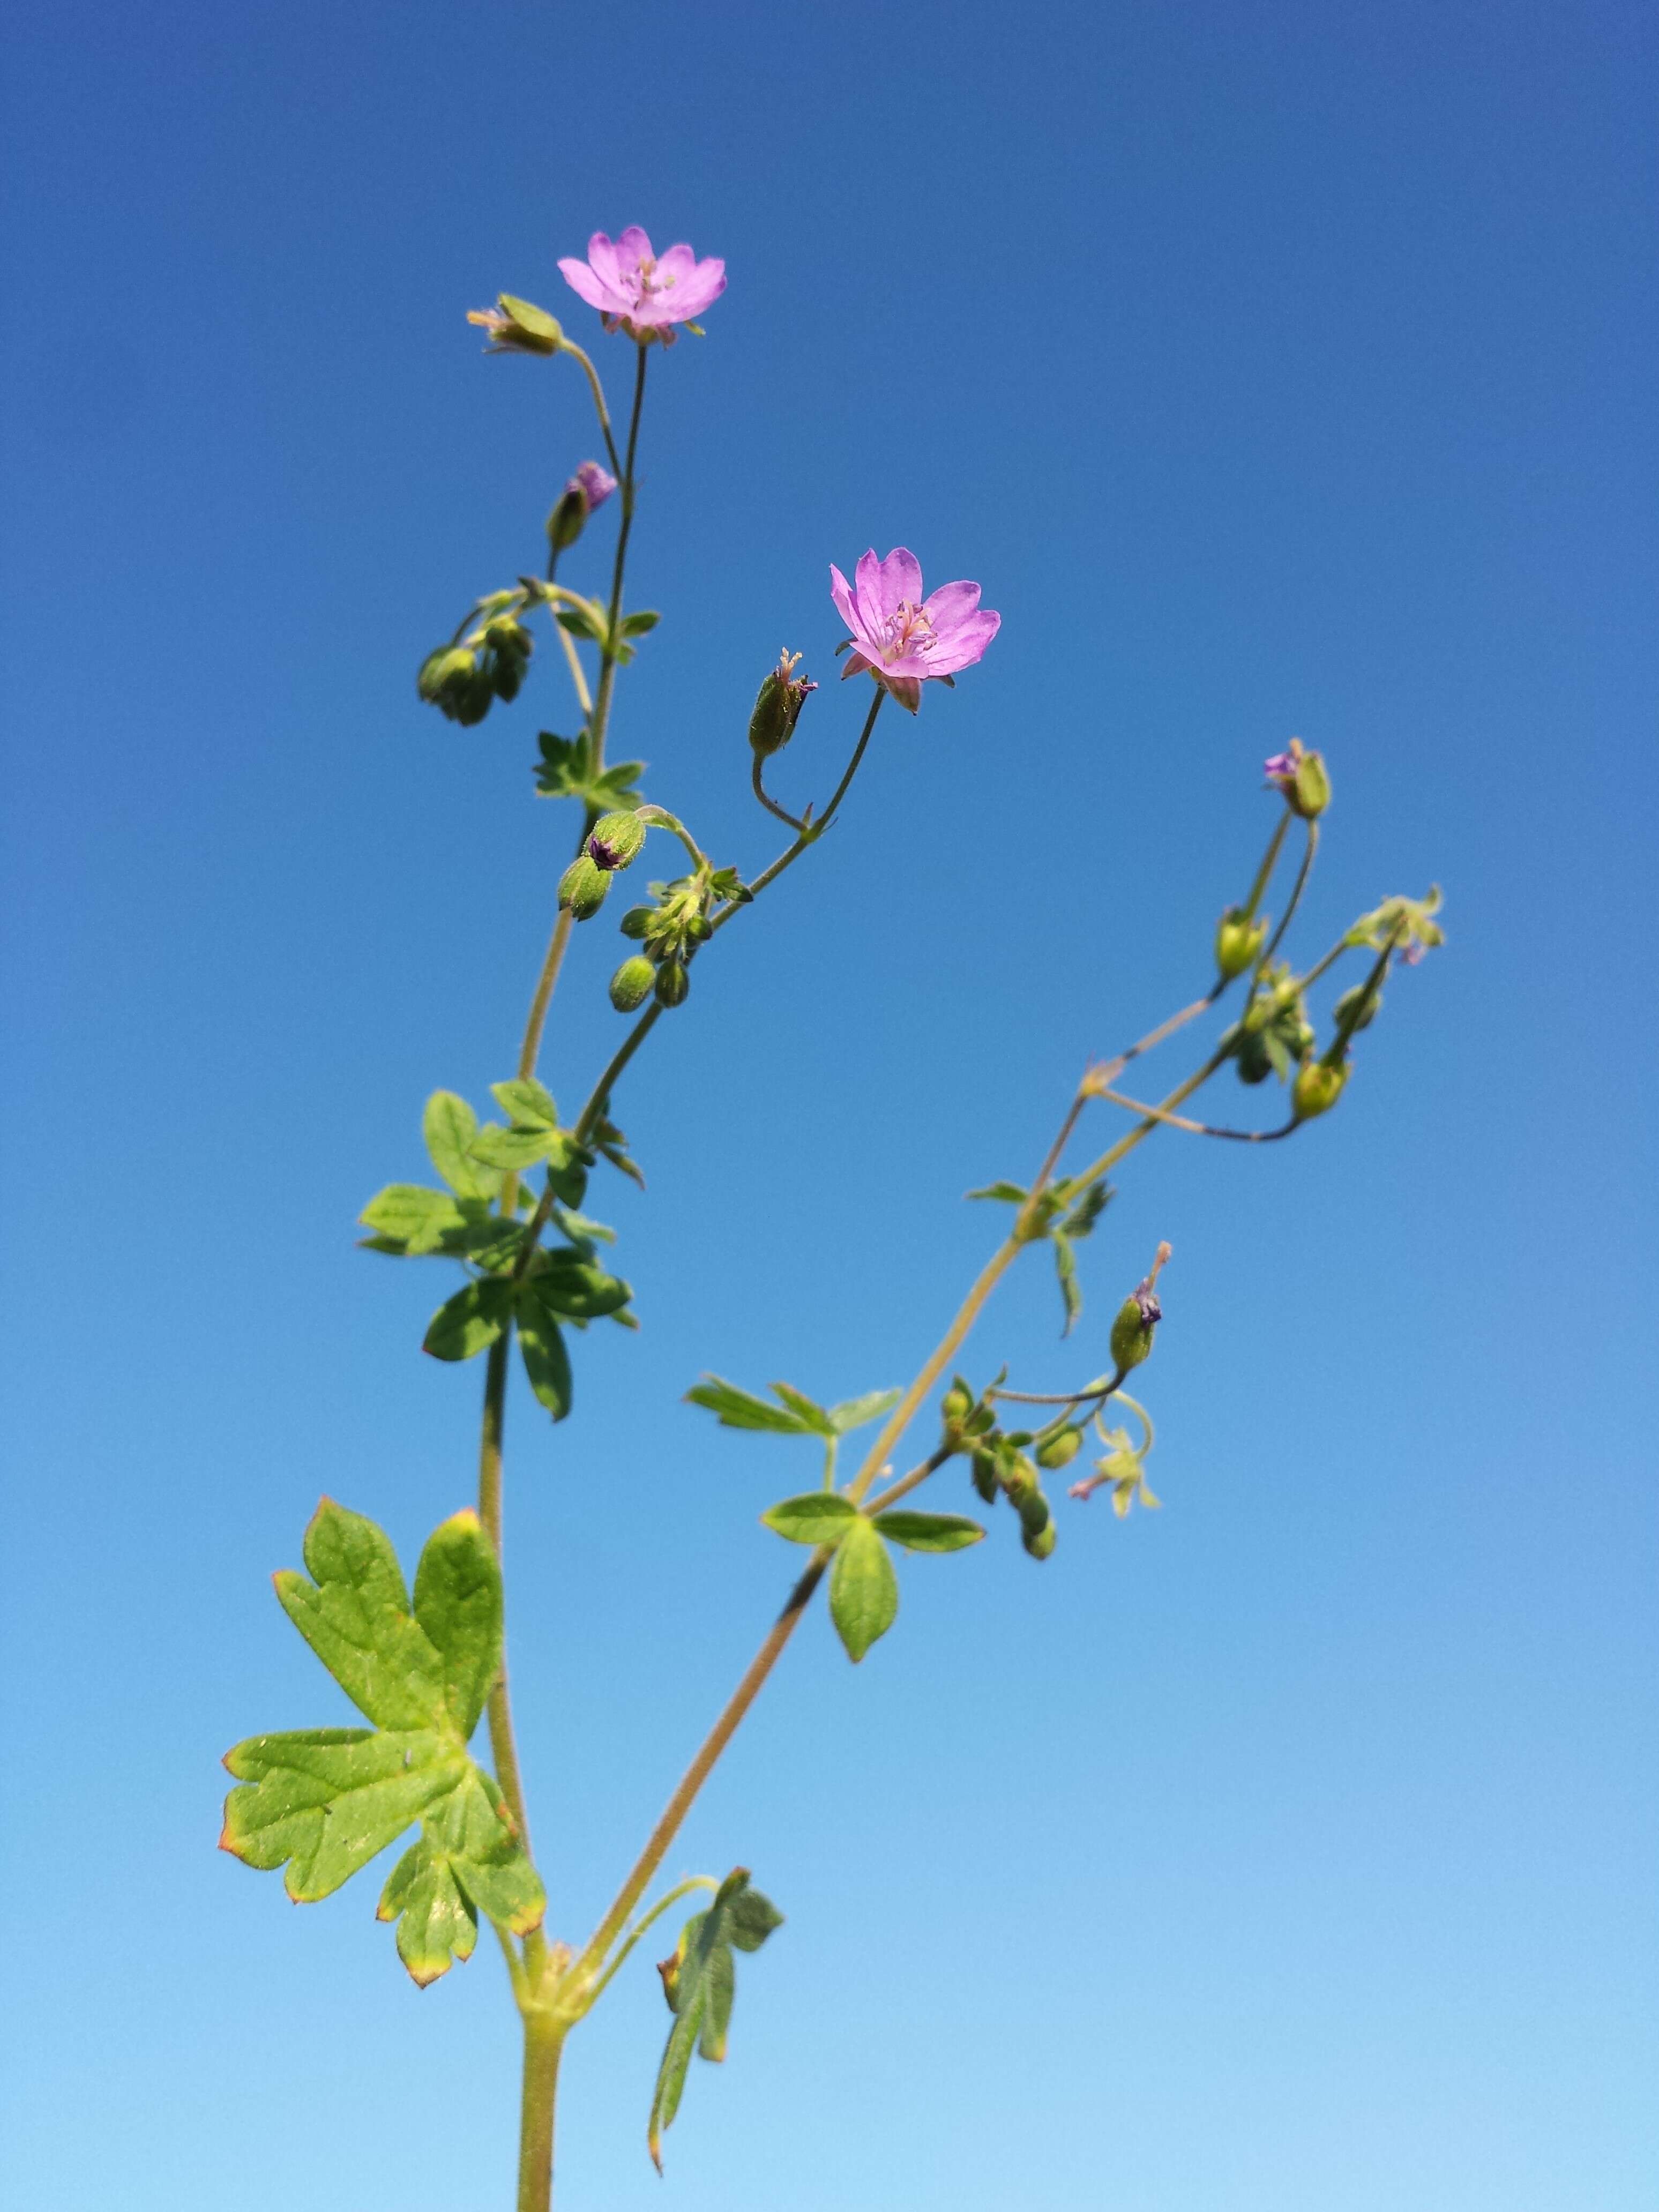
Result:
512,1149
457,1604
575,1289
436,1924
357,1617
819,1516
1080,1220
863,1589
323,1801
449,1125
584,619
1065,1271
583,1231
701,1989
465,1324
741,1409
409,1218
527,1104
928,1532
751,1918
1010,1193
811,1412
638,625
546,1362
854,1412
493,1240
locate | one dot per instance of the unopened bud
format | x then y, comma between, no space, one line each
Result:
1356,1009
637,921
1138,1316
673,981
777,706
1061,1449
615,839
984,1473
1238,940
589,488
441,671
631,985
957,1403
1303,778
1317,1087
582,887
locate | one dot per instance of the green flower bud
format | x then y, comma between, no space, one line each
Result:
777,706
631,985
615,839
984,1473
1039,1542
673,981
1363,998
1310,794
1138,1316
1317,1087
1061,1448
582,887
1238,940
1035,1511
957,1403
637,921
443,671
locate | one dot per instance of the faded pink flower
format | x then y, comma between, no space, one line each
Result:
900,638
635,291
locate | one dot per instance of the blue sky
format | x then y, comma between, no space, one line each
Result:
1279,370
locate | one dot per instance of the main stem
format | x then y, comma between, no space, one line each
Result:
544,2046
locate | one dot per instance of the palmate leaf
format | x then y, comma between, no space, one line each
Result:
699,1983
322,1802
795,1414
449,1126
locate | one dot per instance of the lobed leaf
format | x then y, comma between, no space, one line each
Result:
855,1412
527,1104
699,1991
355,1615
449,1125
409,1218
814,1415
458,1606
741,1409
863,1589
323,1801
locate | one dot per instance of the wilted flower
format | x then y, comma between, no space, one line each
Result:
589,488
1407,924
637,292
778,704
900,638
1302,776
518,326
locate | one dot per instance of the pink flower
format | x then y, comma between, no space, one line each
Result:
900,638
594,483
636,292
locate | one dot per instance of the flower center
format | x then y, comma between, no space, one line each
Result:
650,283
908,629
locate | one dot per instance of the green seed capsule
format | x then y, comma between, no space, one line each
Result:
1310,794
1061,1448
1238,940
1041,1543
1316,1088
1132,1335
673,981
1362,997
441,671
616,839
631,985
582,887
984,1472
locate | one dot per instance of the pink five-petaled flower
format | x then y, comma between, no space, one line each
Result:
900,638
636,291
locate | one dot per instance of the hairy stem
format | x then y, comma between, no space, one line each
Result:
544,2046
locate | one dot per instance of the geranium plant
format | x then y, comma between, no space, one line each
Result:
530,1271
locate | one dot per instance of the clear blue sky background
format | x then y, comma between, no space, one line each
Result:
1278,369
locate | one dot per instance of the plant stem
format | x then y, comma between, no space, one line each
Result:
698,1773
599,720
543,2046
600,407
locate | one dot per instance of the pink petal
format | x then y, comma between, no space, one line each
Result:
701,289
602,258
965,645
598,294
866,590
632,247
949,605
676,265
841,593
899,577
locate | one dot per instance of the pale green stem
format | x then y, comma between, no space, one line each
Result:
543,2046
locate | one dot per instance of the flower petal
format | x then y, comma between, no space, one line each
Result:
965,645
701,289
587,285
632,247
602,259
900,576
950,605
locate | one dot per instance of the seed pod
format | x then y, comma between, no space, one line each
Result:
616,839
582,887
1061,1448
1132,1335
1310,793
1040,1542
673,981
777,706
1239,940
1317,1087
442,670
1035,1512
631,985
